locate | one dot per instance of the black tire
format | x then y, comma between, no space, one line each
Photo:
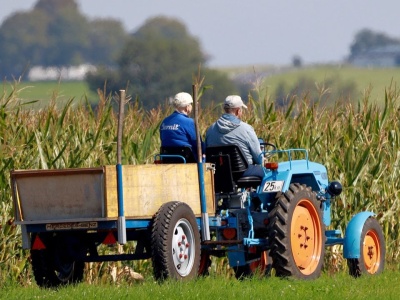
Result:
297,234
175,241
51,268
373,251
258,264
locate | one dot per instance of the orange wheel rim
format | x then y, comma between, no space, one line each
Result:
306,237
371,251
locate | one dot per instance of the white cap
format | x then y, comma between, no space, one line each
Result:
234,101
182,99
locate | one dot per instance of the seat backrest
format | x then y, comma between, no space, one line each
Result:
238,161
184,151
223,180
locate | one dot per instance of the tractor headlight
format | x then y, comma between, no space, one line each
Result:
334,188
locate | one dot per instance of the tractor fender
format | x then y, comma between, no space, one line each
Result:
352,238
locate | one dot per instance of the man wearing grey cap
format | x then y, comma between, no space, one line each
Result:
178,129
229,129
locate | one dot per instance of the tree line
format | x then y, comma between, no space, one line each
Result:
153,63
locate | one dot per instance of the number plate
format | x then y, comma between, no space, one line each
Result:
71,225
273,186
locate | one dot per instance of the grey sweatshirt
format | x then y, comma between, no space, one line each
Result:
228,129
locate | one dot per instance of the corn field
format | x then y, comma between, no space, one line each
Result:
357,141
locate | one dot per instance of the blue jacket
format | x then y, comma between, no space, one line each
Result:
178,130
230,130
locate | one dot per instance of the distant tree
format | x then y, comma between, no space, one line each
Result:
367,39
158,61
68,32
220,87
297,62
106,38
23,38
53,6
55,33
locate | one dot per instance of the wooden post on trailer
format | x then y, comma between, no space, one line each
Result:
205,225
121,225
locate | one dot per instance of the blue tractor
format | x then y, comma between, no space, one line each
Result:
280,221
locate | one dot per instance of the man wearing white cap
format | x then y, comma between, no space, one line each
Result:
178,129
229,129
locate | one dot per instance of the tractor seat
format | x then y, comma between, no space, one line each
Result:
249,181
230,164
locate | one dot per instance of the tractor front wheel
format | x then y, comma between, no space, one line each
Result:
296,234
372,247
175,242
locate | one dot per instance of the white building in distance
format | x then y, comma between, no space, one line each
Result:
39,73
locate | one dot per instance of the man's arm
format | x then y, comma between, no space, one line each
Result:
254,145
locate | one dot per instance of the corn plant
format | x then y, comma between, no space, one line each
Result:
357,141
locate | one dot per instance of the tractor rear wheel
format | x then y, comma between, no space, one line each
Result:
297,234
175,242
372,256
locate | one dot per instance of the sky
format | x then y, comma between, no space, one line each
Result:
253,32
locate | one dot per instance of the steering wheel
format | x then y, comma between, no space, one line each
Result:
267,153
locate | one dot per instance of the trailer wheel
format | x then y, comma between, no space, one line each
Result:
296,233
372,256
53,269
258,263
175,242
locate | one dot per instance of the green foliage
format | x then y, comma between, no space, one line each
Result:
219,87
160,57
66,34
55,33
157,62
23,38
358,143
107,38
